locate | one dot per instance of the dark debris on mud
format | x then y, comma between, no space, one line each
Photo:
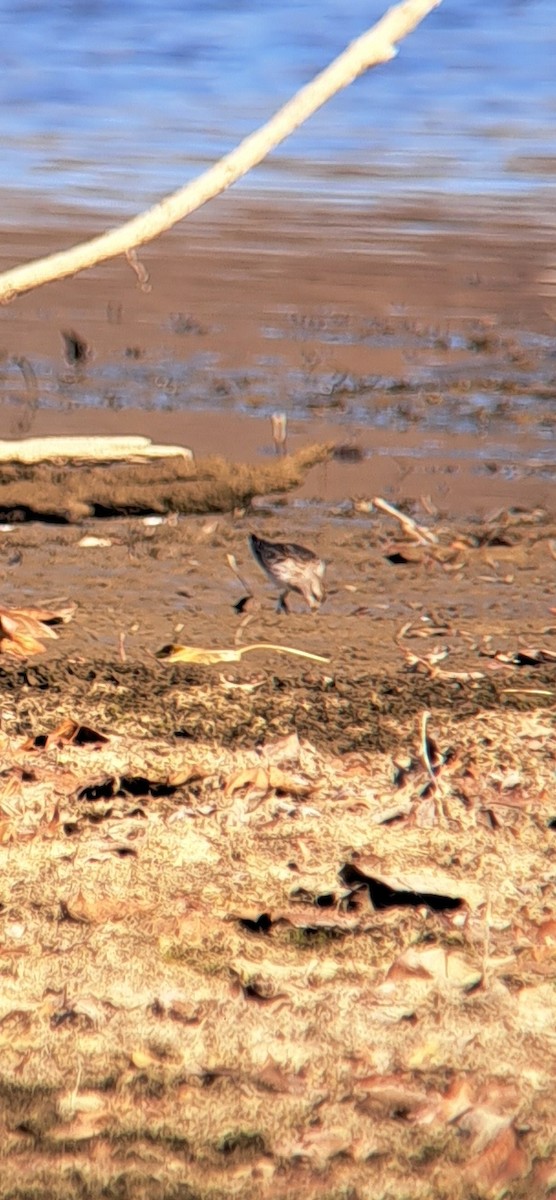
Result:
339,712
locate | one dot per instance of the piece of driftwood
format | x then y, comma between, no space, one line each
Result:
127,448
375,46
71,492
410,527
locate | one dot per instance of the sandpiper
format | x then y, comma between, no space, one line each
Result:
291,568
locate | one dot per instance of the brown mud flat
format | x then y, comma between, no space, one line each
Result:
270,929
427,319
473,609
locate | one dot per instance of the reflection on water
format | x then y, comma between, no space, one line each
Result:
494,393
107,105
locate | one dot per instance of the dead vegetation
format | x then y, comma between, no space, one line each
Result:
279,972
67,493
341,710
21,628
271,930
272,927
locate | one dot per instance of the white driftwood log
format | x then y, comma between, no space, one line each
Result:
88,449
375,46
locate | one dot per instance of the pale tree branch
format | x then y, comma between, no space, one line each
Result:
375,46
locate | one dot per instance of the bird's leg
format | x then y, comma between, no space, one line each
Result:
282,606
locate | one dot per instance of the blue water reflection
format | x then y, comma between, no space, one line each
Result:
113,105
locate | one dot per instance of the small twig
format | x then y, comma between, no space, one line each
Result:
279,423
232,563
425,749
526,691
429,768
29,376
139,269
486,942
238,637
409,526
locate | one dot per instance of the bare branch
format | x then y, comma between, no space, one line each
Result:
375,46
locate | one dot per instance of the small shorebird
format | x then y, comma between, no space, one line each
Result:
290,568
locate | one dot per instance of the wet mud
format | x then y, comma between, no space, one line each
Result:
461,624
323,884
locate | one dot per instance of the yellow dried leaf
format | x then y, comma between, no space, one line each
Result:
252,777
142,1059
196,654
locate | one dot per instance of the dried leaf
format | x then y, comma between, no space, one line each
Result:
434,962
450,1107
286,749
390,1094
83,1127
68,732
318,1146
24,627
266,779
89,541
185,1011
431,888
93,1103
194,654
90,909
502,1161
273,1078
252,777
21,645
143,1059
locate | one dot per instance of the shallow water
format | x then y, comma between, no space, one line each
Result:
494,399
110,106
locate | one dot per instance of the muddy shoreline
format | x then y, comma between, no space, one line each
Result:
285,929
417,344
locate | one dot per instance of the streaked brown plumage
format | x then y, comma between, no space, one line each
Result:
291,568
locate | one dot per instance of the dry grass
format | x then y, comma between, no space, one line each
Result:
280,972
69,492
